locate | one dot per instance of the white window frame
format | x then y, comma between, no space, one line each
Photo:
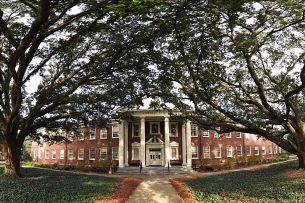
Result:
238,134
40,154
275,149
263,150
248,152
61,154
174,147
71,136
205,133
80,154
229,150
135,146
194,131
53,153
46,154
115,131
247,136
70,154
216,134
136,132
103,133
256,150
173,129
81,135
103,153
269,149
228,135
217,149
92,153
92,133
239,150
194,150
115,155
206,152
151,127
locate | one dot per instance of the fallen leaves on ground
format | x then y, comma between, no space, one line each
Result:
127,187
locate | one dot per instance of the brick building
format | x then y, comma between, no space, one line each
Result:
153,138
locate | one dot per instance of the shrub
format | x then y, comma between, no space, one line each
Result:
282,157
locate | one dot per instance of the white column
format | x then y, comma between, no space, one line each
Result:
166,139
142,142
183,145
188,144
126,144
121,145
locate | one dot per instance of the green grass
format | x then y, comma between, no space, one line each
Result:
42,185
278,183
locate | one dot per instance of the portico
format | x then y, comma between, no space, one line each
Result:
153,138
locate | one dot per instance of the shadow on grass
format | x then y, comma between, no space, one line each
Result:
42,185
265,185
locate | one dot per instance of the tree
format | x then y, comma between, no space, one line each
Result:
240,65
88,57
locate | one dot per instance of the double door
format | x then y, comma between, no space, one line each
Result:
155,157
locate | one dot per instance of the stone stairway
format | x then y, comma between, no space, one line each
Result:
156,170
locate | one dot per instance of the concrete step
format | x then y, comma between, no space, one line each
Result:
154,170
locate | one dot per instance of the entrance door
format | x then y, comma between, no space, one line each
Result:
155,157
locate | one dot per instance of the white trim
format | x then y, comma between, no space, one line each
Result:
175,133
215,148
133,129
103,131
151,126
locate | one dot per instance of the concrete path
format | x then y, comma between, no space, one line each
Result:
155,190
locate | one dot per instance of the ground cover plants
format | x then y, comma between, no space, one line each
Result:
277,183
43,185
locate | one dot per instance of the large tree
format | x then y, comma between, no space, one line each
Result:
240,64
87,56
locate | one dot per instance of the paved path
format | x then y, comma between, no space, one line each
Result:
155,190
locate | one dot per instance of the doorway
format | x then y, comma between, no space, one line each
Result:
155,157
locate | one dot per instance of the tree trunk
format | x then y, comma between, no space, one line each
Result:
12,158
301,157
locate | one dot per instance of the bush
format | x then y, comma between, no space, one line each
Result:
282,157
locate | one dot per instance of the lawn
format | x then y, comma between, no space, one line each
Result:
277,183
42,185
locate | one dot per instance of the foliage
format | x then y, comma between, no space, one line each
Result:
278,183
41,185
282,157
240,65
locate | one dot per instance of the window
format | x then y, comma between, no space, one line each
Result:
92,154
40,154
115,131
173,129
194,150
155,128
46,155
239,150
228,135
247,136
136,150
275,149
205,133
256,150
81,154
248,150
263,150
194,131
217,152
206,152
136,153
115,153
216,135
53,153
103,154
62,154
103,133
238,135
35,155
174,153
136,130
71,136
81,135
70,154
92,135
270,149
229,151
